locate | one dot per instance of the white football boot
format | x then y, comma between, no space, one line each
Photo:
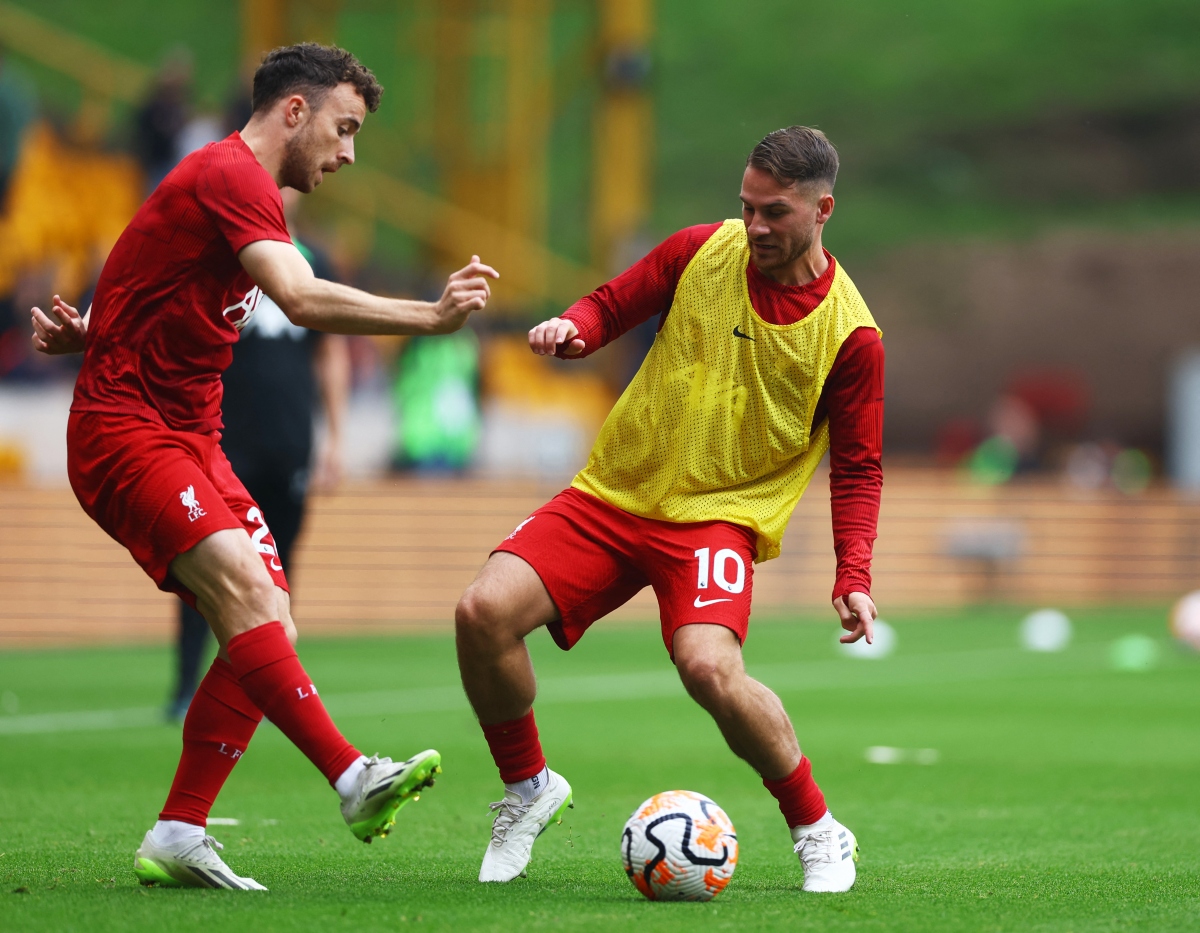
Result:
828,851
383,787
189,863
517,825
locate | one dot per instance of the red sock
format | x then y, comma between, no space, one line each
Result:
272,676
800,800
216,731
515,748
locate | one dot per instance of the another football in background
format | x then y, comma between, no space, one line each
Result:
1185,620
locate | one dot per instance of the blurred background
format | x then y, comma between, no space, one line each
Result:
1019,203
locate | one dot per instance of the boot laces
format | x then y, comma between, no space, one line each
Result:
817,848
510,813
197,850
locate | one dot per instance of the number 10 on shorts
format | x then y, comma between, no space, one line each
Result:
720,569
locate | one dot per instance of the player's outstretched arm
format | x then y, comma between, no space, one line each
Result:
858,614
60,331
547,337
285,275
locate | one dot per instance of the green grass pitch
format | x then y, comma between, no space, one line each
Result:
1064,796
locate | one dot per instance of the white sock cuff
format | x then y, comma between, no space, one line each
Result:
345,782
529,789
170,832
798,831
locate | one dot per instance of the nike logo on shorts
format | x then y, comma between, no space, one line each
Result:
701,603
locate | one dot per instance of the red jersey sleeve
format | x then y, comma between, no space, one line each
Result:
853,400
241,197
643,290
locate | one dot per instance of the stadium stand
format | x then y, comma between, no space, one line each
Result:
395,555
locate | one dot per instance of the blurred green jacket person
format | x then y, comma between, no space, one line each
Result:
436,397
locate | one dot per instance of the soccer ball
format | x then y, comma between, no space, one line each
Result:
679,846
1185,620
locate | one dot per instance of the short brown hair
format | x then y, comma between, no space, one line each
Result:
796,155
313,70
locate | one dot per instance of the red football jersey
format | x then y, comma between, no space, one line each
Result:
173,296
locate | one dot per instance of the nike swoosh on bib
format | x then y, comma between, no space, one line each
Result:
701,603
738,333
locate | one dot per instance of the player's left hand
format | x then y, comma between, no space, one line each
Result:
65,333
858,613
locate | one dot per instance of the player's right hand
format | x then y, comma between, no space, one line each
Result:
547,337
467,290
858,614
65,333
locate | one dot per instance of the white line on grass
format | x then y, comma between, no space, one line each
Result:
945,667
87,721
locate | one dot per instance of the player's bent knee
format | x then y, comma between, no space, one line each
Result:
482,618
705,679
466,615
473,616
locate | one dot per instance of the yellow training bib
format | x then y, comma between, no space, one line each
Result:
716,424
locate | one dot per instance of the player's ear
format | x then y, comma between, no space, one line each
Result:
824,207
294,108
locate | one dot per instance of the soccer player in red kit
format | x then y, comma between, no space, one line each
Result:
765,357
143,437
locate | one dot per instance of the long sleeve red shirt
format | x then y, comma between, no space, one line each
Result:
852,397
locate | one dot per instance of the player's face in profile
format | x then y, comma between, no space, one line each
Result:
324,141
781,220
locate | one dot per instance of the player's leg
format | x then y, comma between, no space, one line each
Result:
506,602
703,577
251,618
372,790
756,727
749,715
177,851
552,560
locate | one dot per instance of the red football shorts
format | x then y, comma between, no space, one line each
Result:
160,492
593,557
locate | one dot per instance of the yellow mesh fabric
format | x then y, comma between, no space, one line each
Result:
714,425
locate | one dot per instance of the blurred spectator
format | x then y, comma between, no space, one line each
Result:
238,106
436,396
955,441
202,129
1040,412
1059,399
1014,421
18,107
279,371
162,117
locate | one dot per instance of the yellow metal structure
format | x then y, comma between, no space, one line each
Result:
623,135
494,93
104,77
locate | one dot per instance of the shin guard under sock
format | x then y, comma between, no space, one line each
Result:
272,676
800,799
218,727
515,748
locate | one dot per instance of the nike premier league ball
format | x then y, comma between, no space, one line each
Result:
679,846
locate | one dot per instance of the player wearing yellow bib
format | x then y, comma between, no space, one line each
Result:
766,357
